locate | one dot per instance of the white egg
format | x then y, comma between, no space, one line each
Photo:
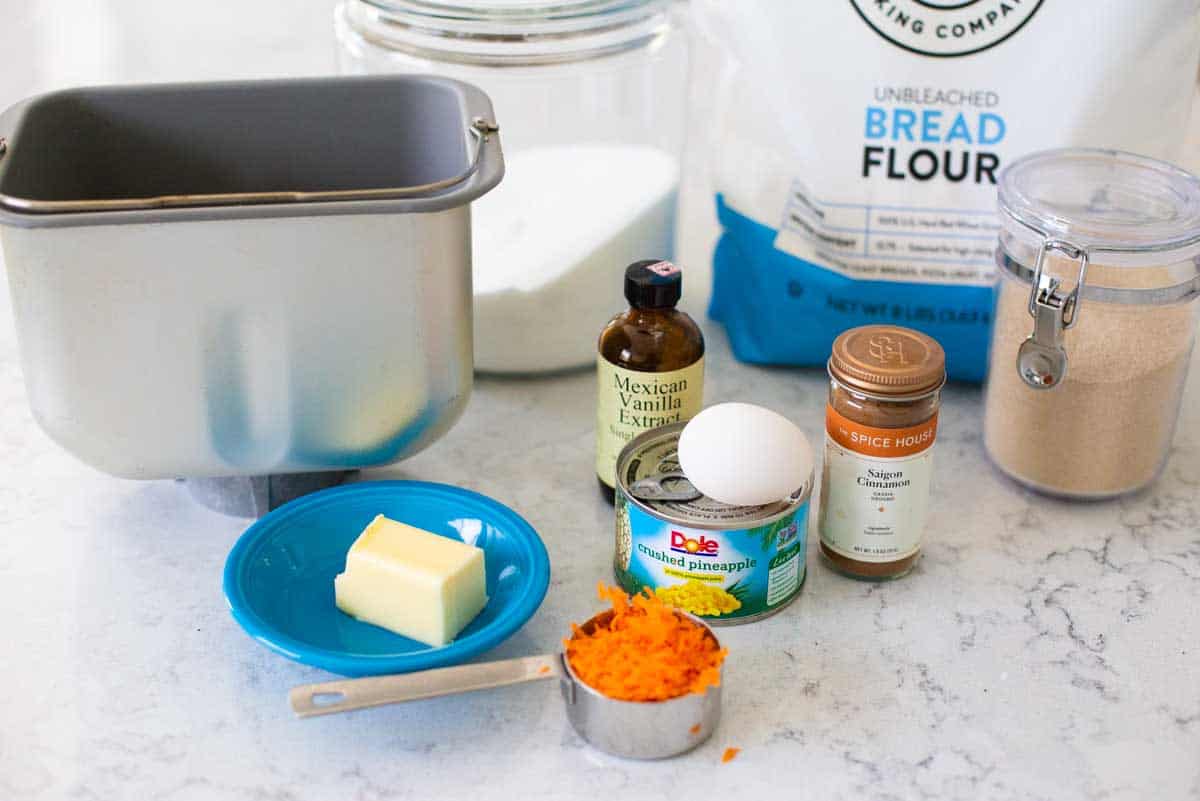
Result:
744,455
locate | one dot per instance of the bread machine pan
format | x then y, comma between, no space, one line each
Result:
245,279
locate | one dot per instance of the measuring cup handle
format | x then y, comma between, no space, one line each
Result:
329,697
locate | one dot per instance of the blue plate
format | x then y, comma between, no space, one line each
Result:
279,575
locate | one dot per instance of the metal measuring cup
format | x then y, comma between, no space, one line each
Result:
633,729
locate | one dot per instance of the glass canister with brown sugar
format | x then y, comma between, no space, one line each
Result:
1098,291
885,387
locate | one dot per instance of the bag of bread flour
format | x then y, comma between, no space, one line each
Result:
858,143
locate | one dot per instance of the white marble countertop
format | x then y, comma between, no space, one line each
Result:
1041,649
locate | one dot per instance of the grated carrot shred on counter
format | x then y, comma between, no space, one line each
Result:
730,754
645,652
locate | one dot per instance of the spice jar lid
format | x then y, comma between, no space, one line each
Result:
888,360
1123,208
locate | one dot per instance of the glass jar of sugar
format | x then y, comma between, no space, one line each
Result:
1094,319
590,98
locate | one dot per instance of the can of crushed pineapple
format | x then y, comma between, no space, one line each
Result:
726,564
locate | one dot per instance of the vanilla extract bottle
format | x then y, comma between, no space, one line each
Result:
650,365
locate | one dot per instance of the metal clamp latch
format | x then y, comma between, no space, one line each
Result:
1042,359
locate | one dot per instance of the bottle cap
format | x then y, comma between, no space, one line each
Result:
888,360
653,284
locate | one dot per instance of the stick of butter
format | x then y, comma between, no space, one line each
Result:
412,582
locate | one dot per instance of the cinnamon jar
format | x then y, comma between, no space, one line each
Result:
881,422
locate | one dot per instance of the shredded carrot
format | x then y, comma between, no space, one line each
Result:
695,729
730,754
645,652
543,670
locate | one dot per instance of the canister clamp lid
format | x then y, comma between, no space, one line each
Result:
1087,205
1126,210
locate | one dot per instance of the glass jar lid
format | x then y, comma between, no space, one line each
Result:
507,32
1122,208
511,10
1130,223
1094,225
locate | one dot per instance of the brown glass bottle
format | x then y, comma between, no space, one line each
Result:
650,365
